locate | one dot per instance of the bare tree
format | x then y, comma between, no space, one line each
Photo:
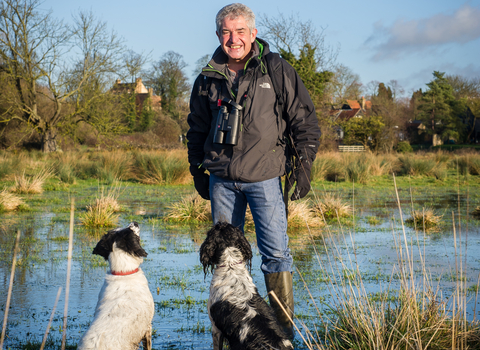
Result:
345,85
290,35
200,63
464,87
371,89
397,89
43,58
133,64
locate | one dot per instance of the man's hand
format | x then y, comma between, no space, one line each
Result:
201,180
202,185
302,177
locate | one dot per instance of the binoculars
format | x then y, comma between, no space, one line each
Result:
228,122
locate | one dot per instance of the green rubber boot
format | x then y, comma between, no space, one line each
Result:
282,284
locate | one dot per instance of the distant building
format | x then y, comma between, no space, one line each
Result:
142,93
350,109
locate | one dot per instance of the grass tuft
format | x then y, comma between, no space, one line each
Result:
10,202
331,205
162,168
476,212
192,208
300,215
31,185
424,219
103,213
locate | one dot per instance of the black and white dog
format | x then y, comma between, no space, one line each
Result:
236,310
124,313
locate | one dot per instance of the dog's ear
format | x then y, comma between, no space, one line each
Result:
105,245
207,251
242,244
130,243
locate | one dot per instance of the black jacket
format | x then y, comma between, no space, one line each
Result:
260,152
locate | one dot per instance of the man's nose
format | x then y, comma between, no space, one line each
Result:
233,37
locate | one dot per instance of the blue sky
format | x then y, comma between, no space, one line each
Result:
379,40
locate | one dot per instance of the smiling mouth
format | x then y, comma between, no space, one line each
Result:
235,47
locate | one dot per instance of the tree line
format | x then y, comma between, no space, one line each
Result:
57,82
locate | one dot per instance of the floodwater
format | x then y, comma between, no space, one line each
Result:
176,279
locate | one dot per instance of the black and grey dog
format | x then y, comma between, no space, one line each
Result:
236,310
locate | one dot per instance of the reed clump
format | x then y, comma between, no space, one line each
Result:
10,201
467,164
104,211
476,212
424,219
112,166
32,185
192,208
331,205
155,167
301,214
420,165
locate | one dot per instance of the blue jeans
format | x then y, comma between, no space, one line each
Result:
229,202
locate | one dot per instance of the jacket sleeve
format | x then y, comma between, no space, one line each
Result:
301,115
199,123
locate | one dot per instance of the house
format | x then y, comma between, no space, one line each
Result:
141,92
350,109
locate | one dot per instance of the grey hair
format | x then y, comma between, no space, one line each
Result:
233,11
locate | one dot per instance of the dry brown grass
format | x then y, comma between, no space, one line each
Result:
424,219
103,213
32,185
192,208
331,205
9,201
301,214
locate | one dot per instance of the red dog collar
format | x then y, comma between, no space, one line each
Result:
124,273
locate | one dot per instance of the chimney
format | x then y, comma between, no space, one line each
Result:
363,103
150,92
118,81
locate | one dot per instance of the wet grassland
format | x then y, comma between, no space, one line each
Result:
366,271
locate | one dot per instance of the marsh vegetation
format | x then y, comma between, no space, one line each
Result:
363,278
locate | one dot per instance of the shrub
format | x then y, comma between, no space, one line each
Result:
404,147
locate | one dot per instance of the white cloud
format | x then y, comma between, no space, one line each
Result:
411,36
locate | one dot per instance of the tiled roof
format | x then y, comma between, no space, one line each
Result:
354,104
348,114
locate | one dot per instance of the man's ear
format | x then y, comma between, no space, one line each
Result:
254,34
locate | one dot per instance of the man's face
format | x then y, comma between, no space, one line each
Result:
236,39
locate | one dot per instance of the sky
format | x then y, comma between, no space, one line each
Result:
380,40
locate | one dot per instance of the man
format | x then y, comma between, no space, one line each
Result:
249,169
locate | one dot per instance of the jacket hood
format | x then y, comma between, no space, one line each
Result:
219,58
